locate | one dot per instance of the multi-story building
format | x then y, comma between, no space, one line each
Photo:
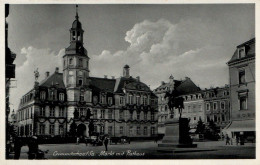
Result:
182,86
242,90
119,107
217,106
193,108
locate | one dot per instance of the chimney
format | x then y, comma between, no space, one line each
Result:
138,78
171,80
187,78
162,82
57,70
47,74
126,70
113,77
105,76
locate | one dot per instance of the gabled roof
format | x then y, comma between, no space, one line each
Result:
250,51
187,86
130,83
164,85
54,79
102,84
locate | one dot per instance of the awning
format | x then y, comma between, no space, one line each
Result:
240,126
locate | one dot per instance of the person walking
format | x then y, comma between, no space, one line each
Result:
17,148
106,142
237,139
77,140
227,139
33,148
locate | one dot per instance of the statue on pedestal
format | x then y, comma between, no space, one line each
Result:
36,74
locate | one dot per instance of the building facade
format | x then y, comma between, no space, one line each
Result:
242,91
193,108
217,106
123,106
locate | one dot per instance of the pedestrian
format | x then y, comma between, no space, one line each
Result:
156,139
33,148
237,139
17,148
77,140
227,139
106,142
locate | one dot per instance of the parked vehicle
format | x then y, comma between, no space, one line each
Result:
115,140
124,139
39,155
94,140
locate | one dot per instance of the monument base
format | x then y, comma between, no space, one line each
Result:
177,135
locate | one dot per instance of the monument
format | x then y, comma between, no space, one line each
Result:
176,129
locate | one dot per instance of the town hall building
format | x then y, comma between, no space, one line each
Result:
122,106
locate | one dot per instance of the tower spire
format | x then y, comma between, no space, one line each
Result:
77,16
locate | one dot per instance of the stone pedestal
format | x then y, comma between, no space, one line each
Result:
177,134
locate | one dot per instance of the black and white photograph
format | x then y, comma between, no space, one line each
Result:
130,81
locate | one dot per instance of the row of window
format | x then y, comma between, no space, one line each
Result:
25,114
27,98
25,130
51,96
162,108
122,115
80,62
52,112
42,129
135,100
131,130
215,106
218,118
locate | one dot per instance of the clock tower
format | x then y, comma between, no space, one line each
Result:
76,69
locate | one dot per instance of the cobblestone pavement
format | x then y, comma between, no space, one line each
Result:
144,150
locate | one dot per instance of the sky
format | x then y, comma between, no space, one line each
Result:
156,41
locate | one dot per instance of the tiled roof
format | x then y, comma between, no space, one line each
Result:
102,84
250,51
187,86
54,79
129,83
164,85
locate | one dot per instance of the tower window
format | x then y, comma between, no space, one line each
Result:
70,61
80,82
80,62
73,35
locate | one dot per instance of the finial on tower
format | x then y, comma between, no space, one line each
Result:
77,16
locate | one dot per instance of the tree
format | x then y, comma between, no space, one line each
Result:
90,128
200,127
212,126
73,129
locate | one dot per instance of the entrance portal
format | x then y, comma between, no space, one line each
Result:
81,130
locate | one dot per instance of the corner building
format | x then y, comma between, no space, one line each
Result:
123,106
242,91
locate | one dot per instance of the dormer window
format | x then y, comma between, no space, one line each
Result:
42,95
241,53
